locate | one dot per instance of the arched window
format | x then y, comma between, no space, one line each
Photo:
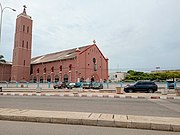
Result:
48,78
82,79
65,78
27,29
60,68
95,64
52,69
41,79
23,28
94,60
70,67
44,70
31,70
23,43
56,78
27,44
38,70
34,79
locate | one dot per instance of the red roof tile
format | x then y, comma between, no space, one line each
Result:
62,55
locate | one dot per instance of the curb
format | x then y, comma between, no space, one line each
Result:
92,119
88,95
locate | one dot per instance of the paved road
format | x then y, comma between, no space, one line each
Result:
28,128
156,107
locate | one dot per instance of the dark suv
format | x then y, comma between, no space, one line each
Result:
142,86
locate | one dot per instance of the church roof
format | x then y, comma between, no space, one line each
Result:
62,55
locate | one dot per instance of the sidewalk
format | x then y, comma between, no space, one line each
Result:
92,94
92,119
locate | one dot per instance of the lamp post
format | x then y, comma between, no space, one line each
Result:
2,10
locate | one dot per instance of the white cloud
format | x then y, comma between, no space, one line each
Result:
137,34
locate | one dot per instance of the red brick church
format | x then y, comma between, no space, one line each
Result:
78,64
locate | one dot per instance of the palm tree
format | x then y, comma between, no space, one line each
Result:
2,59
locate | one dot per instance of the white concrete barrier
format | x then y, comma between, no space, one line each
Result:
94,119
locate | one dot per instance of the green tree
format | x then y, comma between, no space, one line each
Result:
134,75
131,72
173,75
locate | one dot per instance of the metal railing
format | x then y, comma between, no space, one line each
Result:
49,85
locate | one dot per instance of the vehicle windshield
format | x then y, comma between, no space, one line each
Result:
86,84
97,84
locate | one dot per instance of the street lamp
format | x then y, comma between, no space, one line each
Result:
2,10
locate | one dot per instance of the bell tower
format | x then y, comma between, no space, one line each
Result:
22,48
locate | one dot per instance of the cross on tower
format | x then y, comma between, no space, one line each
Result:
94,41
24,11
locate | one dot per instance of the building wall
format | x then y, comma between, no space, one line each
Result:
39,72
117,76
82,66
5,72
86,65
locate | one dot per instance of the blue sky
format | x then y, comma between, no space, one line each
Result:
133,34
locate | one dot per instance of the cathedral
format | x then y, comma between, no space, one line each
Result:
82,63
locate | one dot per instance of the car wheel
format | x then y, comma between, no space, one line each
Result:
130,91
150,91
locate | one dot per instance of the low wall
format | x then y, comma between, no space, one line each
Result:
161,85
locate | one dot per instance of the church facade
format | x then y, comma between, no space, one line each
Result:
78,64
74,65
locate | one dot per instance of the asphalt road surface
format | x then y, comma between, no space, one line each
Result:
146,107
28,128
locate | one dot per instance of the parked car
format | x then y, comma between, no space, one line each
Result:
60,85
74,85
97,85
170,84
142,86
86,85
78,84
70,85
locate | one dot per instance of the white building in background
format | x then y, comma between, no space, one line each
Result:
117,76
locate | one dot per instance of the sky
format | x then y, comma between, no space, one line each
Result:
134,34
